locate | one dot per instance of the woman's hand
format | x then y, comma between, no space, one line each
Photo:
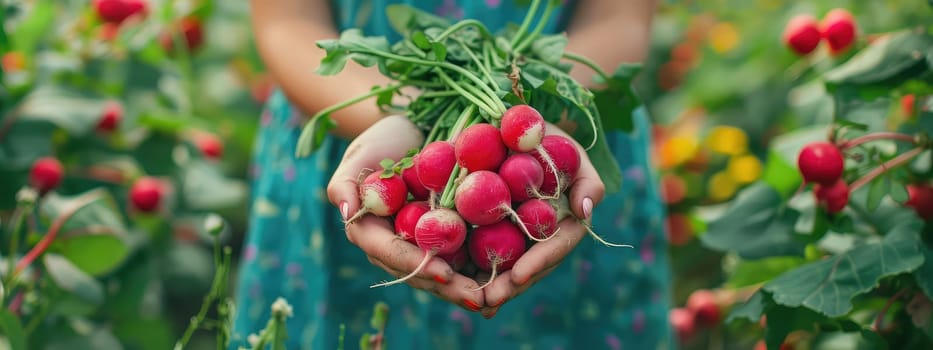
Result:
586,191
392,137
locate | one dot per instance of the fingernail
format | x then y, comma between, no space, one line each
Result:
345,210
523,282
471,305
587,207
440,279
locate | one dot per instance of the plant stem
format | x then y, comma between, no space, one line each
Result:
876,326
884,135
475,100
464,23
18,218
436,129
479,64
538,28
526,22
589,63
896,161
443,93
217,288
46,241
306,139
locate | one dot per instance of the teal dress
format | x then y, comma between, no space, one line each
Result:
598,298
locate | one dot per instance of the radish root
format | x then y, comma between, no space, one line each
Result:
600,239
521,225
550,163
495,261
421,266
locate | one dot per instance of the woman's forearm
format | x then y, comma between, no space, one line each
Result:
286,32
609,32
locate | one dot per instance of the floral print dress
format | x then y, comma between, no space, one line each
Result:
598,298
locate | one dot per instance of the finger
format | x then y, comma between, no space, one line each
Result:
544,255
460,291
504,289
376,238
365,152
587,189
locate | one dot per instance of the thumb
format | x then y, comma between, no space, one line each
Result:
587,189
390,137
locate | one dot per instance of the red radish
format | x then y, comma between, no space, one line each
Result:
146,194
921,200
495,248
435,164
479,147
210,145
539,217
907,104
410,175
438,232
46,174
522,128
834,198
524,176
382,196
407,218
802,34
458,259
821,162
483,199
838,28
110,119
682,320
117,11
704,307
563,153
192,33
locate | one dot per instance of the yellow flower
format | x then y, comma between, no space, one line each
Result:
744,169
721,187
677,150
723,37
727,140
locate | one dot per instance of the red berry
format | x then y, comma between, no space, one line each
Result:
838,28
110,119
673,189
146,194
682,320
679,231
907,104
192,33
704,307
834,197
210,145
802,34
46,174
821,162
921,200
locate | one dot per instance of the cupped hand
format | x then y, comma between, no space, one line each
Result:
392,137
586,191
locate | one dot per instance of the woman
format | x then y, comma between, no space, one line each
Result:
578,296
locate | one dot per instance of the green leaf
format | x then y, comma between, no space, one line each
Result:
876,192
204,187
751,309
750,272
12,329
617,101
784,320
924,274
76,113
94,339
549,48
784,177
898,192
98,215
95,254
69,278
406,19
828,286
26,141
31,31
889,61
755,226
380,316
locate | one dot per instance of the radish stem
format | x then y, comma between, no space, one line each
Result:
526,22
306,139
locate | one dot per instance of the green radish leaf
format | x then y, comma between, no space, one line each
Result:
351,45
405,163
440,51
876,192
421,40
549,48
69,278
887,62
406,19
851,125
783,320
617,101
751,309
756,225
387,163
751,272
12,329
828,286
924,274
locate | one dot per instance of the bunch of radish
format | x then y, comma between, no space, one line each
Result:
481,197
